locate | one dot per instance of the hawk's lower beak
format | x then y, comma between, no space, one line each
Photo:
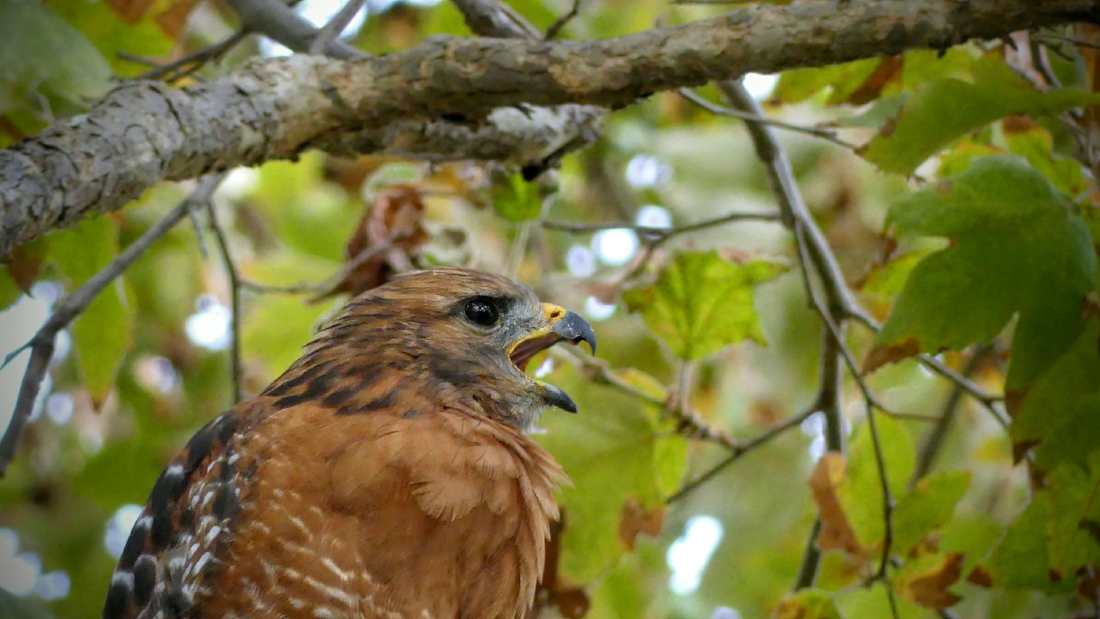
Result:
563,325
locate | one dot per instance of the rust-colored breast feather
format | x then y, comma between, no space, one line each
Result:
374,479
467,541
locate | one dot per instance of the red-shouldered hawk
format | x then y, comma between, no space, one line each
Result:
386,474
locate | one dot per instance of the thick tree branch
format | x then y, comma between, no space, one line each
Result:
145,132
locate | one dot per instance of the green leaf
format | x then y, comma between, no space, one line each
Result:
807,604
518,200
44,54
875,602
1021,560
877,114
800,84
9,291
861,491
702,303
1015,249
924,65
1035,143
310,216
943,110
1074,528
111,35
927,507
15,607
889,279
972,536
102,334
1060,412
617,449
277,329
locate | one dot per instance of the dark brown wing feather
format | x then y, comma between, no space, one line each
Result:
196,491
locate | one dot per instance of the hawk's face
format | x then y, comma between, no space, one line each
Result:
458,337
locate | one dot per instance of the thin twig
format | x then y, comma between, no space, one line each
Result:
930,446
493,18
817,259
690,423
196,226
335,27
556,27
281,24
740,449
828,135
869,398
323,287
1045,38
1041,62
811,559
660,235
190,63
233,273
66,310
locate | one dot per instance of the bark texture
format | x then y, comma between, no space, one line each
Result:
145,132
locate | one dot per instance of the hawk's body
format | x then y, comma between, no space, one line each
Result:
385,475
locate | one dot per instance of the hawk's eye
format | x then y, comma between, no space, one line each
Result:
482,311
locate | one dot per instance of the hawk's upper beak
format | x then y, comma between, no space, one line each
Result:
562,325
569,325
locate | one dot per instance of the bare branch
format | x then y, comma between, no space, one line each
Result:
233,274
689,422
492,18
190,63
797,217
283,25
322,289
740,449
660,235
872,425
143,132
555,28
828,135
71,306
332,30
811,559
932,442
1048,38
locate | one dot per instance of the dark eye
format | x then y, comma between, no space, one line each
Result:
482,311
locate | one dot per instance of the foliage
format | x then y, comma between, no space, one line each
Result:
966,221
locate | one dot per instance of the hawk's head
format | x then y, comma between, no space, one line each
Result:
451,337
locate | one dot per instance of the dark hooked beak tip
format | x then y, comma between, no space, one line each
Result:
558,398
575,329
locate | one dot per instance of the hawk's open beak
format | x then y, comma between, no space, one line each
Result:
562,325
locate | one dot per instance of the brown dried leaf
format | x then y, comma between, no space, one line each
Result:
130,11
881,355
24,264
836,530
981,577
929,587
887,72
173,19
396,218
635,519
